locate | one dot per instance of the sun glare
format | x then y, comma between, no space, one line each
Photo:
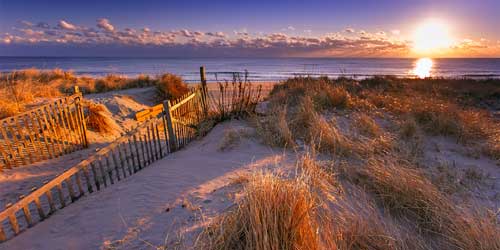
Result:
423,67
432,37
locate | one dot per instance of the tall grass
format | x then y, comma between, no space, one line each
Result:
234,99
407,192
275,214
20,89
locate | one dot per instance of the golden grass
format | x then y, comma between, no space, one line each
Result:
274,214
21,88
99,119
170,87
408,193
366,125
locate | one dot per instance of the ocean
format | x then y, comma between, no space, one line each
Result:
259,69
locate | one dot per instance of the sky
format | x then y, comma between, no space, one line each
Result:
258,28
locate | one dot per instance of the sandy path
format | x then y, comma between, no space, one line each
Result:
144,210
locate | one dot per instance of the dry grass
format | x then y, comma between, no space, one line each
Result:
274,130
99,119
274,214
170,87
408,193
366,125
235,99
21,88
309,211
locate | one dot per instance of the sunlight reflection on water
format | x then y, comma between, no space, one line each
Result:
423,67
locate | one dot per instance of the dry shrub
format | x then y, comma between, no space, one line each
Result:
408,193
99,118
366,125
109,82
170,86
274,214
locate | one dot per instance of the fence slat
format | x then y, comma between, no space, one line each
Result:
9,145
137,152
86,174
39,209
96,177
103,172
3,237
14,224
42,133
52,205
171,134
27,215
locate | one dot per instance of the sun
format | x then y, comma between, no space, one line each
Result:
432,37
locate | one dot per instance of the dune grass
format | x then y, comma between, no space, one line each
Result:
21,88
99,118
372,193
275,213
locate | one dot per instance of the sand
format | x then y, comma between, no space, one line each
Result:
164,204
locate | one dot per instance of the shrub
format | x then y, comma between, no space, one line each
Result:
170,86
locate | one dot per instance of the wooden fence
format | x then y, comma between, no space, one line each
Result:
174,126
137,149
43,133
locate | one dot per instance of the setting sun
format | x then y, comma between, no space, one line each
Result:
431,37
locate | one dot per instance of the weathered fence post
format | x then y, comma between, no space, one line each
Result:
172,138
81,117
204,91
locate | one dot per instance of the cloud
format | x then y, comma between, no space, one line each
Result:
220,34
104,24
66,25
26,23
396,32
42,25
349,30
186,42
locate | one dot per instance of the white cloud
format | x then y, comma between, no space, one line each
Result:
104,24
66,25
396,32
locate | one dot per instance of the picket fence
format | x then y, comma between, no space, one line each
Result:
43,133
